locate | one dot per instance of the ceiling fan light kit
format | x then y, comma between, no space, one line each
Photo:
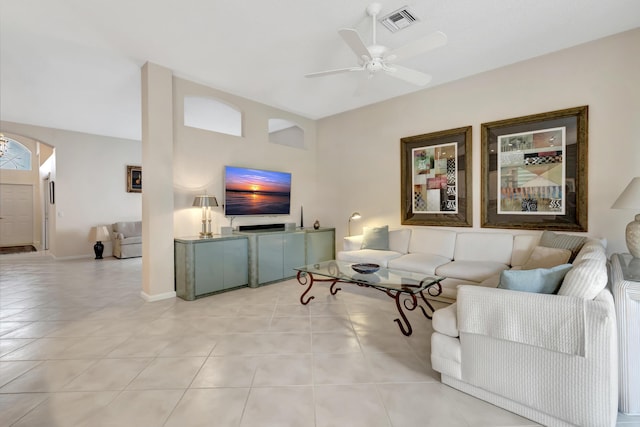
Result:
375,57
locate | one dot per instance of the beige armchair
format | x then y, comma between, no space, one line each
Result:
127,239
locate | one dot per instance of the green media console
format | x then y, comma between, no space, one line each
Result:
273,255
205,266
208,265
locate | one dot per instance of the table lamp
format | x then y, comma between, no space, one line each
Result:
99,234
630,199
205,202
355,215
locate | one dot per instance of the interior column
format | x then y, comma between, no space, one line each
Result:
157,185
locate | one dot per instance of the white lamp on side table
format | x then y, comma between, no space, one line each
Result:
630,199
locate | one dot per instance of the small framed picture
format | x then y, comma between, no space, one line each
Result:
134,179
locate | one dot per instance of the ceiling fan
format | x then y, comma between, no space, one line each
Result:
376,57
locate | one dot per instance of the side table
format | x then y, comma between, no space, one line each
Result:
625,283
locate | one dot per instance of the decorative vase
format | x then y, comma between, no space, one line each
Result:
316,225
633,237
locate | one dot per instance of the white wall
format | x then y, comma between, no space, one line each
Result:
199,158
90,180
351,161
359,151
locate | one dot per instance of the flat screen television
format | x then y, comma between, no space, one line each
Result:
256,192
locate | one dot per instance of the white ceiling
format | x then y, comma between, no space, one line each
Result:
75,64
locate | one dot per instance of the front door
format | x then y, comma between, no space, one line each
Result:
16,214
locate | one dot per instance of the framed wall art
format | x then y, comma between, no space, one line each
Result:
436,178
534,171
134,179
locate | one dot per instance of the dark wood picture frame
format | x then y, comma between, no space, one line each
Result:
534,171
134,179
436,178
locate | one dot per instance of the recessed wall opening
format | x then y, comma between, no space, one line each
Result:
213,115
285,132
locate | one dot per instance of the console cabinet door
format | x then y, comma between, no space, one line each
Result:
209,265
270,257
293,253
235,263
321,246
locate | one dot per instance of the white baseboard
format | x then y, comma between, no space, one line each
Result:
151,298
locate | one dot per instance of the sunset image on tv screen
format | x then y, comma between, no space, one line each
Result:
256,192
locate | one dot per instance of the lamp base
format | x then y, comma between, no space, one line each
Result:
98,248
633,237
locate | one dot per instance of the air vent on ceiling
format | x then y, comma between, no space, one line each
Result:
399,19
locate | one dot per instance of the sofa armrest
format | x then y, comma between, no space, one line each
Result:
554,322
352,243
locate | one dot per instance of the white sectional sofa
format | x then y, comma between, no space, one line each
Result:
475,258
550,357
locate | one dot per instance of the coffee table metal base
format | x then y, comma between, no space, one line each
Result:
404,300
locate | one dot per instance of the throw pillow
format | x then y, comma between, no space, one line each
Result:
550,239
585,280
543,257
376,238
539,280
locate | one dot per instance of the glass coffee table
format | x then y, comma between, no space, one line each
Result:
406,288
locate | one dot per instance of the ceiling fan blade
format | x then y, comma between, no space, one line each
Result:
417,47
352,38
329,72
408,75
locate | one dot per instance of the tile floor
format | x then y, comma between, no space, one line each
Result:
79,347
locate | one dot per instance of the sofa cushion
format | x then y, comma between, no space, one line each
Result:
352,243
539,280
592,249
131,240
450,288
128,228
493,281
543,257
523,244
419,263
445,320
563,241
585,280
475,271
433,241
376,238
381,258
399,240
491,247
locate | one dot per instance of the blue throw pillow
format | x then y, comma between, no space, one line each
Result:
539,280
376,238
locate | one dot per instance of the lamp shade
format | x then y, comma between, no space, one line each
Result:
204,201
630,197
100,234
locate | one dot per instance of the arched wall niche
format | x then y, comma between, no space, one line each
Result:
212,114
286,132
